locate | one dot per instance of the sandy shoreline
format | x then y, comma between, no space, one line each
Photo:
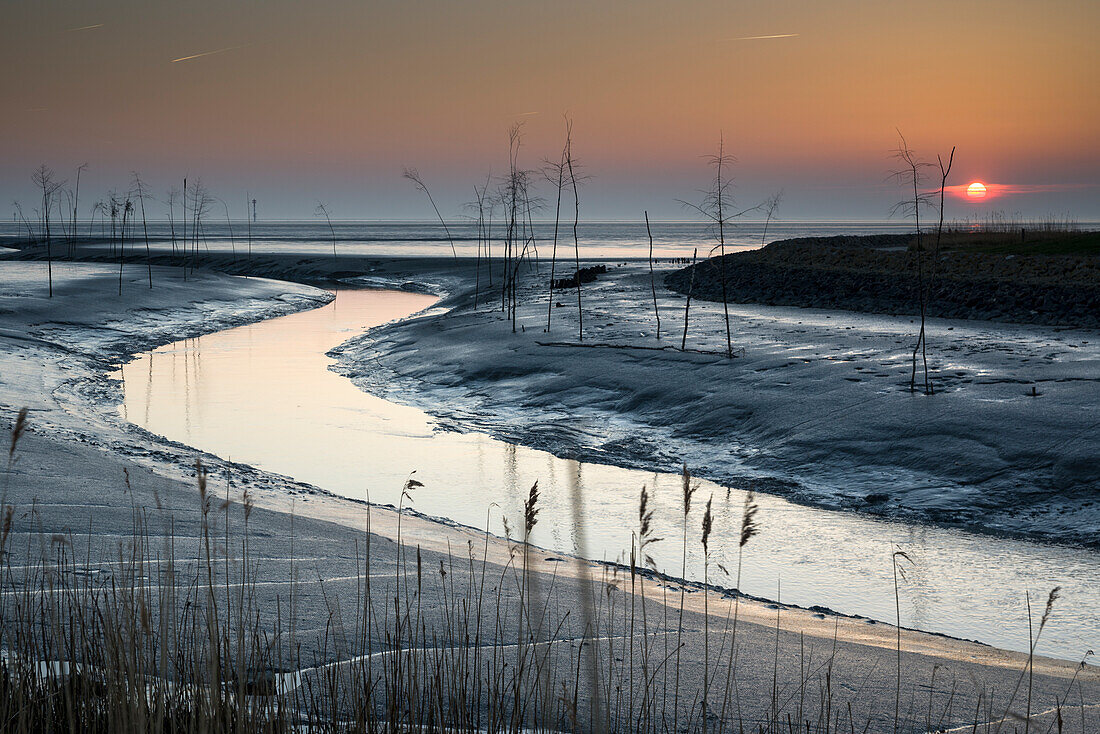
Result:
54,356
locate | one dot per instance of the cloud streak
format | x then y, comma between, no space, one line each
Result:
764,38
209,53
84,28
994,190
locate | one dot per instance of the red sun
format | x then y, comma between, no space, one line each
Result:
976,190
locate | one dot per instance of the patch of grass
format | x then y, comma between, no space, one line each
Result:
1023,242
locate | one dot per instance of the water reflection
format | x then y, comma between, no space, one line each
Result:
263,395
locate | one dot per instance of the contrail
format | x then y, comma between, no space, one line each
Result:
208,53
759,38
85,28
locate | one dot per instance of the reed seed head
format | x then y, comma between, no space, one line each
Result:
688,488
898,556
530,509
17,432
1053,597
410,485
708,524
645,530
749,527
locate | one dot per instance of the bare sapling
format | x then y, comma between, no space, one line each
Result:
76,204
490,213
481,196
113,209
248,224
173,196
198,210
511,198
523,238
911,172
718,202
183,221
30,232
229,226
197,194
413,175
140,192
127,210
514,142
100,208
64,214
555,174
44,179
945,171
321,211
570,164
515,240
717,208
201,200
505,243
770,207
687,304
652,278
531,244
527,229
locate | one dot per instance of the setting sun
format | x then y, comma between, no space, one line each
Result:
976,190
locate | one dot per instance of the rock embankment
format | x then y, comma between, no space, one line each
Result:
879,274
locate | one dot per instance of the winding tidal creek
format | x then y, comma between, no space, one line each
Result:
264,395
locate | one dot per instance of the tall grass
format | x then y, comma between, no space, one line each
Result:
178,635
998,222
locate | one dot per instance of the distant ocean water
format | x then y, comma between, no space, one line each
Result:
597,239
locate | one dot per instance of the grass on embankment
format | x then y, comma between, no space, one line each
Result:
1021,242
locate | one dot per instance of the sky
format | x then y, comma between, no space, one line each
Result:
294,103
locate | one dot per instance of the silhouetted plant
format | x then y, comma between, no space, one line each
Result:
945,171
717,208
910,172
321,211
770,207
652,280
555,174
687,303
573,167
140,192
44,179
413,175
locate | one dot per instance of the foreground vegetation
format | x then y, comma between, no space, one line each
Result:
176,632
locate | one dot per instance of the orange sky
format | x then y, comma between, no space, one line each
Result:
330,99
